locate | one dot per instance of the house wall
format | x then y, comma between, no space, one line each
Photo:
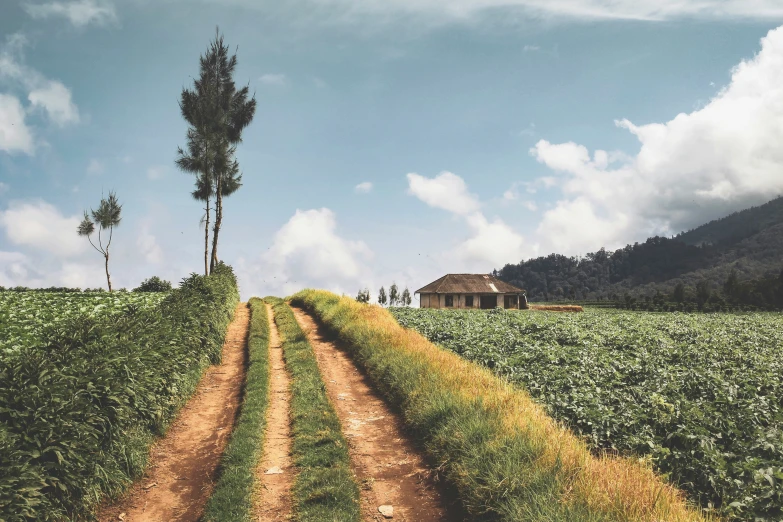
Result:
439,300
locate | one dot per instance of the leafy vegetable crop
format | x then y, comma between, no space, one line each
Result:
83,398
25,317
699,395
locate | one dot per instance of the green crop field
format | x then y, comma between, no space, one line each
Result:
25,316
701,396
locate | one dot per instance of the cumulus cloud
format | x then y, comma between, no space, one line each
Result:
55,99
15,135
492,243
276,79
696,167
446,191
308,252
50,97
42,226
147,245
363,188
79,13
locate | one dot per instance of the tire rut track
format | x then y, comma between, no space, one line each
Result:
183,464
273,500
388,466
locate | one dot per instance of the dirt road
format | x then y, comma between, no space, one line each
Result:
390,469
183,464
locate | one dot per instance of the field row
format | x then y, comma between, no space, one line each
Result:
700,396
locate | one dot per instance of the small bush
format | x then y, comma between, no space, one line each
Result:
154,284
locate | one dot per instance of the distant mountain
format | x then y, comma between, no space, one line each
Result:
748,244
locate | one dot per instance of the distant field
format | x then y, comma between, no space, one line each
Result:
25,316
699,395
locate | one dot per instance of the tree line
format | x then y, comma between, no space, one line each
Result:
216,113
394,297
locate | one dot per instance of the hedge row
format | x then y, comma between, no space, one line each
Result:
79,411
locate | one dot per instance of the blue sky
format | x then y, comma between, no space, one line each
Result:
393,141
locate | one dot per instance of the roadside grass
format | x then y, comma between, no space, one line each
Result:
232,498
324,489
507,459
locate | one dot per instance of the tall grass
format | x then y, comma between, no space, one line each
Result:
507,459
324,489
231,500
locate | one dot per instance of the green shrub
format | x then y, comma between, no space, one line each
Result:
78,411
153,284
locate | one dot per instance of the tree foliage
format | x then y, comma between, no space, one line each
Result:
107,217
217,113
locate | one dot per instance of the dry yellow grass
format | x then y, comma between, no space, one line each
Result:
556,308
604,487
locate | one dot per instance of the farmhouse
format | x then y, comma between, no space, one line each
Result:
471,291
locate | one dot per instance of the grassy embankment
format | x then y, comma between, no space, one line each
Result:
324,489
232,498
81,407
506,457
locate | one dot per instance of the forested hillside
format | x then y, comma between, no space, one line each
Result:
734,260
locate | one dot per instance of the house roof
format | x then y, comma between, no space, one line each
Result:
469,284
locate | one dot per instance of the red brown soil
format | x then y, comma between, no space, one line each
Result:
183,464
273,501
389,468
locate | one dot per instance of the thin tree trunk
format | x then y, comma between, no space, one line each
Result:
108,277
218,222
206,241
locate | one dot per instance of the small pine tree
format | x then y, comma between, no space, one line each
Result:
394,295
363,296
406,297
382,296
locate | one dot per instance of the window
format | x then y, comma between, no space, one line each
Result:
449,300
468,301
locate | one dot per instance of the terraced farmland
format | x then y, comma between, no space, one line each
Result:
700,396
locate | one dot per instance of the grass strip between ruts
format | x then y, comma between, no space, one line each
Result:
232,498
324,489
507,459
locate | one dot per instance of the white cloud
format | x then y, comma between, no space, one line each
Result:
650,10
49,96
15,135
277,79
531,48
446,191
147,245
698,166
4,188
308,252
492,245
156,172
55,99
80,12
95,167
40,225
363,188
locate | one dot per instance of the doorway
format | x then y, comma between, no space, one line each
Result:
489,302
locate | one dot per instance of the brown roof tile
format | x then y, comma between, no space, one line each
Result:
468,284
